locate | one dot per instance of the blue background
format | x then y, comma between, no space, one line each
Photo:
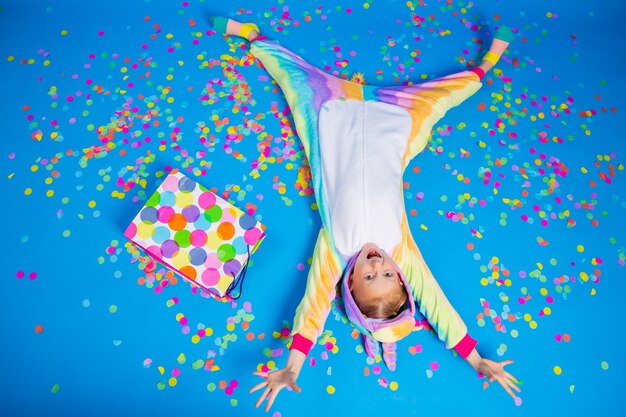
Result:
113,345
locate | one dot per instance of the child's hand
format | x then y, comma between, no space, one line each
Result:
274,382
495,371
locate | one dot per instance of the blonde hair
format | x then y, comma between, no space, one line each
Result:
383,307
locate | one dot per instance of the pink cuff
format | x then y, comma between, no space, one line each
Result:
465,346
479,72
301,343
259,38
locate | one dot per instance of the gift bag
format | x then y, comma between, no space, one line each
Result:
197,234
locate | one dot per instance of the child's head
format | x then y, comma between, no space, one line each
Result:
375,283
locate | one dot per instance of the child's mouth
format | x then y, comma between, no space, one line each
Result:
373,253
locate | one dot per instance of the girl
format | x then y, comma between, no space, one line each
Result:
358,140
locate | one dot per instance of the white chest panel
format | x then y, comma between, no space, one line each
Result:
361,146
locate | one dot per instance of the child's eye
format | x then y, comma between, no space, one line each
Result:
369,277
388,274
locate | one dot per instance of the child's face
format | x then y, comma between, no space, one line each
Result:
375,280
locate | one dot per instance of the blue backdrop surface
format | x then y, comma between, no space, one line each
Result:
518,205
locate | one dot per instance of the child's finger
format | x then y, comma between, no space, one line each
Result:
262,397
258,387
261,374
512,385
511,377
507,389
505,363
270,401
295,387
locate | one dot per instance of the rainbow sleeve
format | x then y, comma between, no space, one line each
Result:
311,314
429,297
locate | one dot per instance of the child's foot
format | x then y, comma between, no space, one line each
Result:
503,37
231,27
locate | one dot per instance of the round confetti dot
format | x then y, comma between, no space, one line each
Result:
180,259
393,385
330,389
38,328
241,247
252,236
518,401
55,388
210,277
213,214
169,248
226,252
168,199
191,213
112,308
184,200
177,222
149,215
580,248
86,303
206,200
604,365
197,256
131,231
160,234
145,230
247,222
183,238
198,238
154,200
186,185
557,370
226,231
232,267
189,271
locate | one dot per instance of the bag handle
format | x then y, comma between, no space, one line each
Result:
238,280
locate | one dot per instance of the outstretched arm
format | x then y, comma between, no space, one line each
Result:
309,321
439,312
429,297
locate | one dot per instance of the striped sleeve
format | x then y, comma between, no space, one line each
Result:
430,299
315,306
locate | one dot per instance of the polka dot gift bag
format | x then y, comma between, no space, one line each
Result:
199,235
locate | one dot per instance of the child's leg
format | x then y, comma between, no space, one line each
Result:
501,41
250,31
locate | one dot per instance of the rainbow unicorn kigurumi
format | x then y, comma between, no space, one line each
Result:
359,139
